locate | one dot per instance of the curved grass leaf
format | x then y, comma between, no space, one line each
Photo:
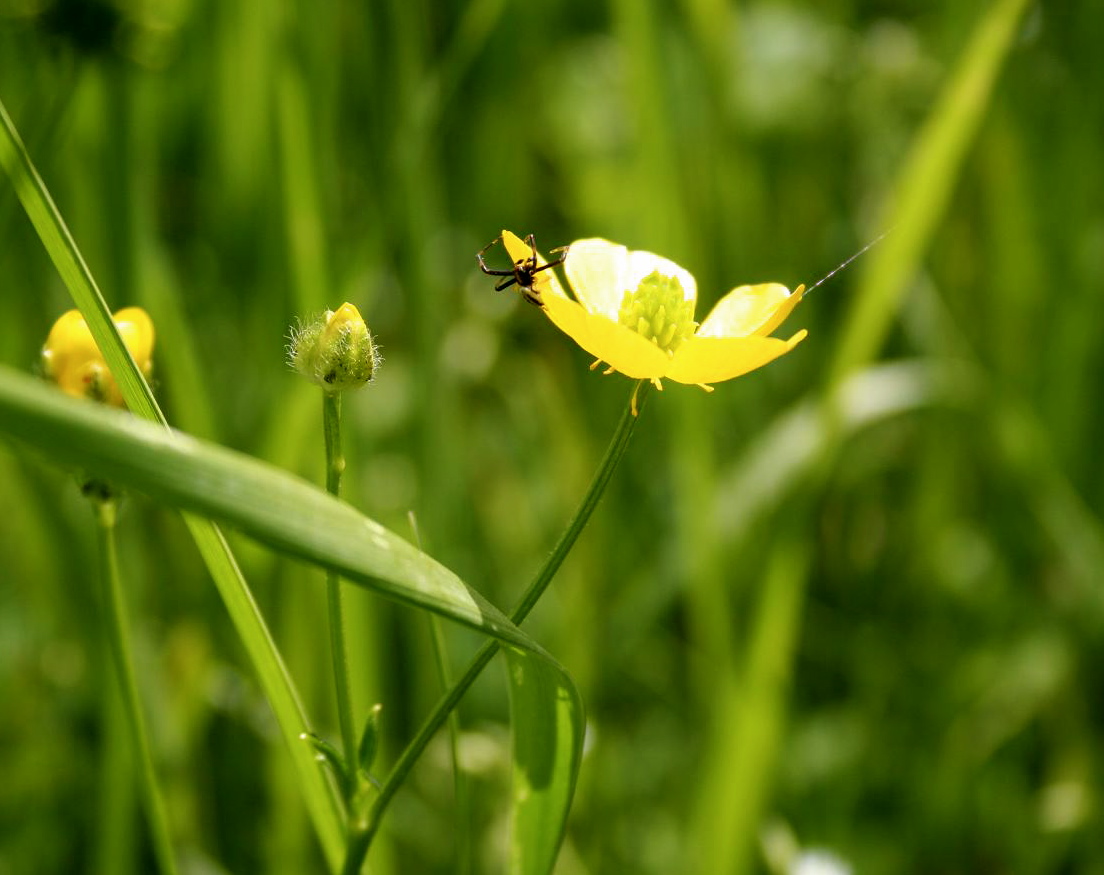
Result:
292,516
925,184
303,521
277,508
318,795
546,762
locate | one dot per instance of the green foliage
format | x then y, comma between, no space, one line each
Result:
851,601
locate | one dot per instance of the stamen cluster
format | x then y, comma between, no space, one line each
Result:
659,311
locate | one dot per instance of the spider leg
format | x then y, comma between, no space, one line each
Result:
563,256
556,262
533,246
483,265
489,245
505,284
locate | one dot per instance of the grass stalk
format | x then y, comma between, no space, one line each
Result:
122,655
114,841
209,540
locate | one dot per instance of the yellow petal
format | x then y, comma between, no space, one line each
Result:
598,273
782,313
601,272
68,346
643,264
136,329
715,359
515,246
71,358
89,379
346,314
621,348
749,310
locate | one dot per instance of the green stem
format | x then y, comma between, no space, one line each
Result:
335,467
363,831
114,836
118,635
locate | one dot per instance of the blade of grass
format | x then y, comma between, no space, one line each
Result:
734,808
122,653
462,819
244,613
547,749
274,507
353,545
924,186
70,265
303,521
778,463
307,256
752,714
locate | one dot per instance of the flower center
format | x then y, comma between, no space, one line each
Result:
658,311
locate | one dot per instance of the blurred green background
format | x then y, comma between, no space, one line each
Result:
871,634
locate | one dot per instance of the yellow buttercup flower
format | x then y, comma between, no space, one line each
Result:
634,311
334,350
71,358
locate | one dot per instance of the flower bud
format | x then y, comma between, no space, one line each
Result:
71,358
335,350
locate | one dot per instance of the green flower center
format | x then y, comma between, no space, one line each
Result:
658,311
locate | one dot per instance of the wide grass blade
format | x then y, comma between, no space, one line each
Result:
746,735
547,749
305,522
274,507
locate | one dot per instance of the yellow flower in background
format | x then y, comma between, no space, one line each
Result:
71,358
634,311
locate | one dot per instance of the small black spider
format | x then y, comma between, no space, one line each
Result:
523,272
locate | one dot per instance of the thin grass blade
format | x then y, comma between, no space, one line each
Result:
925,185
273,676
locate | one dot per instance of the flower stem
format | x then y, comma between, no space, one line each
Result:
114,807
335,467
361,833
118,636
